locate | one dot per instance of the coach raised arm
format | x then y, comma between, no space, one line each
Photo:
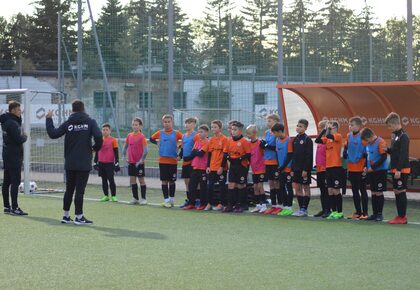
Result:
79,130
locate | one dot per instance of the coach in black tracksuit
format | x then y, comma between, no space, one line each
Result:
13,139
79,130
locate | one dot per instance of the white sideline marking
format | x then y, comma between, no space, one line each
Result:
175,206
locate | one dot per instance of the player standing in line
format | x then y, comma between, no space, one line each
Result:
106,162
135,152
400,165
167,141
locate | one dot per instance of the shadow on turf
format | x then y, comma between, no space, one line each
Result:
110,232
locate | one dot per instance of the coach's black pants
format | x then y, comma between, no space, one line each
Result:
75,180
11,180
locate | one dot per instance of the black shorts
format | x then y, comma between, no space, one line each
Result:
272,172
167,172
377,180
400,184
357,177
321,180
186,171
199,174
258,178
106,169
216,178
285,178
137,171
297,178
335,177
238,174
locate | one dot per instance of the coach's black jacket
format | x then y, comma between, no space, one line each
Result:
79,130
12,141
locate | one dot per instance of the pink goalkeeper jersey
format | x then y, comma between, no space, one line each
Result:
321,155
136,143
257,158
106,153
200,162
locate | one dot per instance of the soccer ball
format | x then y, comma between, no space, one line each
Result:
32,186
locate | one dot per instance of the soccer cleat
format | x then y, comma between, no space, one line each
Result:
208,207
218,207
299,213
227,209
332,215
66,220
197,203
326,214
398,220
276,211
286,212
134,201
371,217
339,215
363,217
319,214
167,204
188,207
142,201
82,221
185,204
104,198
379,217
7,210
114,198
172,201
238,209
201,207
18,211
354,216
269,210
257,208
263,208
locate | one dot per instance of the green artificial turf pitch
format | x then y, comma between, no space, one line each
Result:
148,247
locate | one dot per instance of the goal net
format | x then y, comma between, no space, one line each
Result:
43,157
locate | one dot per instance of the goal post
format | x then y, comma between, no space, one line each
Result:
26,112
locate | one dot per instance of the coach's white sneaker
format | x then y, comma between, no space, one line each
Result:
143,201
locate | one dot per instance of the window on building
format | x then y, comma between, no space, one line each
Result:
260,98
180,100
100,97
144,100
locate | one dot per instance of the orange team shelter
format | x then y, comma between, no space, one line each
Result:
371,101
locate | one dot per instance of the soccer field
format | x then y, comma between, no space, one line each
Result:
133,247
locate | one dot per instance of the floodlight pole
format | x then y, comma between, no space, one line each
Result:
79,49
170,56
410,40
280,52
230,66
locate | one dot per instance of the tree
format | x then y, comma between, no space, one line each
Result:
18,30
112,27
213,97
298,24
216,29
332,39
6,61
259,20
43,32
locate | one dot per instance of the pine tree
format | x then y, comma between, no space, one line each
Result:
259,21
6,61
43,32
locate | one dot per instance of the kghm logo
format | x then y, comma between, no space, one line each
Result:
405,121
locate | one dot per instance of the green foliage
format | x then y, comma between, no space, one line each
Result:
213,96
